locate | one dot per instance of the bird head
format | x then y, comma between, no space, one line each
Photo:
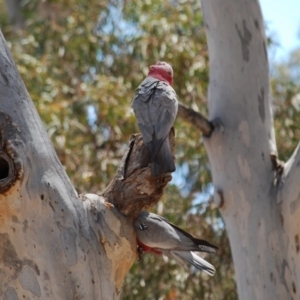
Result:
162,71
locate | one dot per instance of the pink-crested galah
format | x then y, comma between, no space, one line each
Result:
155,106
155,234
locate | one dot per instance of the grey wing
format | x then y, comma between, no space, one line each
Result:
189,242
141,104
177,237
195,260
163,110
141,112
155,106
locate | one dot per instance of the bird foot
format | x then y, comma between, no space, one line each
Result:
140,252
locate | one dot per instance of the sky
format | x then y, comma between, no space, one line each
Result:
282,19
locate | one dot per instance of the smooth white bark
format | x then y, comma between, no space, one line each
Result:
289,199
245,179
53,243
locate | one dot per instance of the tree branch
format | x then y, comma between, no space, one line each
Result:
133,187
195,118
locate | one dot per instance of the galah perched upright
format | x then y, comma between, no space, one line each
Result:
155,234
155,106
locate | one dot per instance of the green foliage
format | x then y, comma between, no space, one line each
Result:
286,99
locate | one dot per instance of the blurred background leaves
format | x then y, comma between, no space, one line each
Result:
81,62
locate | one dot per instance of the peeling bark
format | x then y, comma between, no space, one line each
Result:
133,187
260,195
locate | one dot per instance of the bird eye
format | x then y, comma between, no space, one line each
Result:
169,73
143,226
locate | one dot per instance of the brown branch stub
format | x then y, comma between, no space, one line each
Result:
277,164
133,187
219,199
198,120
11,167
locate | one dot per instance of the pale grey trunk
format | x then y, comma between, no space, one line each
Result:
259,203
53,243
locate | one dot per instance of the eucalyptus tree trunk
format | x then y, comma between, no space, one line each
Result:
55,244
258,196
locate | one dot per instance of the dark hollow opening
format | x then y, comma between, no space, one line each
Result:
4,168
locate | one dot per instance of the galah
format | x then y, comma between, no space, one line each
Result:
155,234
155,106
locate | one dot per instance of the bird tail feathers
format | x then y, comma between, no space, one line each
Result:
195,260
163,161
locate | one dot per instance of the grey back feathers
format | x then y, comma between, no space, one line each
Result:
155,106
157,233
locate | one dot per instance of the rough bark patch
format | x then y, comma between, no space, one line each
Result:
133,187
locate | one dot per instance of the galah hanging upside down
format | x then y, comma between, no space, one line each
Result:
155,234
155,106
